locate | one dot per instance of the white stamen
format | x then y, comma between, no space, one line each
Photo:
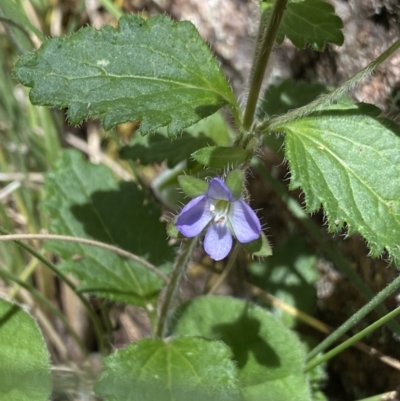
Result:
212,208
220,219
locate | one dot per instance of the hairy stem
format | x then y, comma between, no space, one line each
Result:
262,54
352,340
331,97
181,263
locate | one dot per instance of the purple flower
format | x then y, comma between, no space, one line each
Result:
224,216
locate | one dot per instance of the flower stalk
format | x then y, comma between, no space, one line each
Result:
172,289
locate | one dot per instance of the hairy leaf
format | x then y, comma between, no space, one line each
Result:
234,181
178,369
260,247
279,99
192,186
157,71
85,200
308,21
25,362
269,357
348,160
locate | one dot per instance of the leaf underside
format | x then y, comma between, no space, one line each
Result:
156,71
348,160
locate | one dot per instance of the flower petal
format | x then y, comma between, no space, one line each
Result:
245,223
218,241
218,190
194,217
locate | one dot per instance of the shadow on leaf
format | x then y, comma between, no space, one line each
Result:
157,148
243,337
123,218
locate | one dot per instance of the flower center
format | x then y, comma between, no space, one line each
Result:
220,210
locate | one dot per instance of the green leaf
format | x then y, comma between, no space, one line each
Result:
259,247
279,99
172,231
347,159
215,128
269,357
290,275
221,157
178,369
157,71
288,95
25,362
309,21
85,200
234,181
192,186
157,148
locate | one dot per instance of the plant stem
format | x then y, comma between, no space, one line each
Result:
85,241
370,306
352,340
172,289
70,284
261,57
323,242
331,97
